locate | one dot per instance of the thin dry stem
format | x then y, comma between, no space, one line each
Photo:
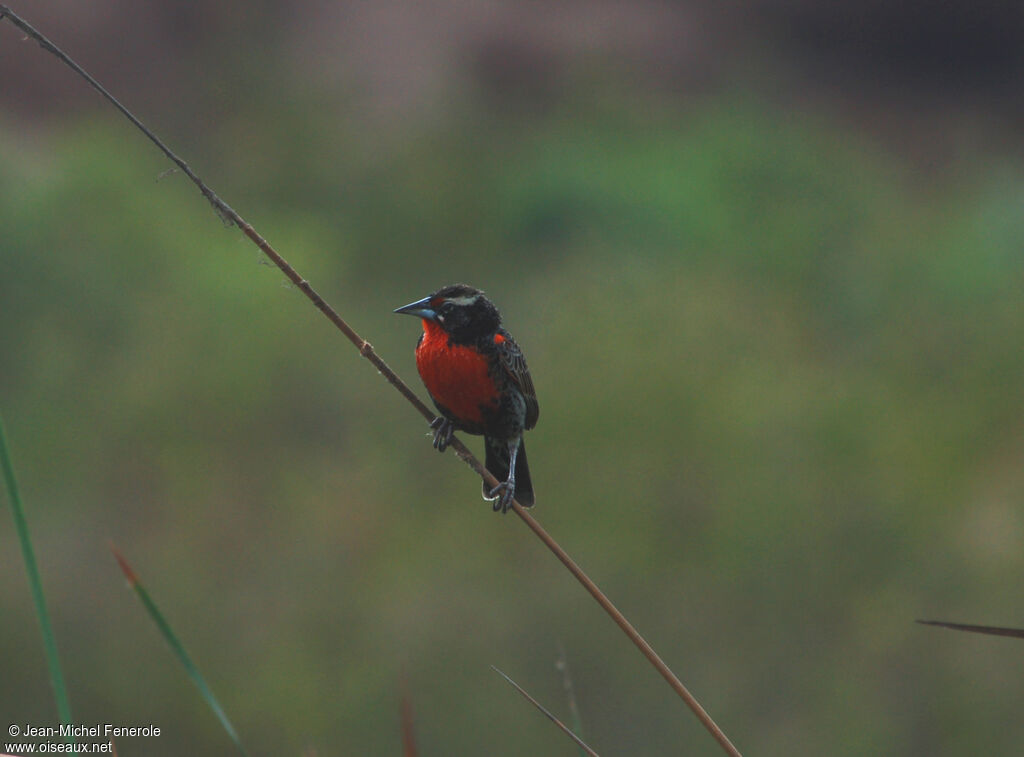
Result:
227,213
408,730
565,729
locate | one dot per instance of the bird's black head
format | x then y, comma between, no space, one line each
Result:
462,311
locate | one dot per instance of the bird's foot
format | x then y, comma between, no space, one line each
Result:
501,496
444,430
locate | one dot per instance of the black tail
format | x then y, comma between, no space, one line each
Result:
496,462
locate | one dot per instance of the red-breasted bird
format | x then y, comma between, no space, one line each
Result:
477,377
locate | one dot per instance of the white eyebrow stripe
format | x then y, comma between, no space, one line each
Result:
462,301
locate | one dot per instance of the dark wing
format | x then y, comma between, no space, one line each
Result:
514,363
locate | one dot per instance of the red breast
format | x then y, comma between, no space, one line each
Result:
456,376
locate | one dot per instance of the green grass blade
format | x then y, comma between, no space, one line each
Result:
178,649
562,665
60,691
1017,633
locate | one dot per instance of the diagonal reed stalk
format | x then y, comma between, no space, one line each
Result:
366,350
564,728
176,646
60,692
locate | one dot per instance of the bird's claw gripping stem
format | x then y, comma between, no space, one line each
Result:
444,430
501,496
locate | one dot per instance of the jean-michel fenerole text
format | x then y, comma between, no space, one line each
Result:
100,730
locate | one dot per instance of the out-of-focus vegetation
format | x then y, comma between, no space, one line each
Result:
779,366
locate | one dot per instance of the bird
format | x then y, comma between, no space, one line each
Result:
477,377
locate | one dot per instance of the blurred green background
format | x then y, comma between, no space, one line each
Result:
765,262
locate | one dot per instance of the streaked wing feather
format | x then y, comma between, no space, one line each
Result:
514,362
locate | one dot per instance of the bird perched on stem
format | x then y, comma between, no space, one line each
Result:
477,377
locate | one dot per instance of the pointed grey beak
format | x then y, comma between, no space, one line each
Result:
420,309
